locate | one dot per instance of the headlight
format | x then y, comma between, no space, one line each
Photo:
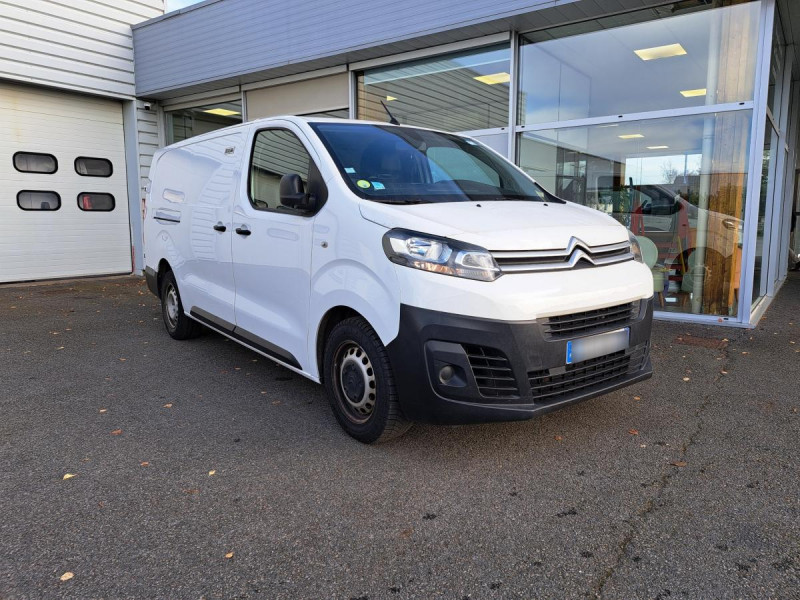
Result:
439,255
636,249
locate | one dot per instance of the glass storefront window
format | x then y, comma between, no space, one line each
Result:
625,64
456,92
189,122
678,183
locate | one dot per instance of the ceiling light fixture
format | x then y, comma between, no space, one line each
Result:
693,93
390,98
656,52
221,112
494,78
630,136
657,147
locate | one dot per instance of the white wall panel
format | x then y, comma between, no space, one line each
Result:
82,45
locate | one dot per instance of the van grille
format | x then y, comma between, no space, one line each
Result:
583,376
591,320
492,372
576,254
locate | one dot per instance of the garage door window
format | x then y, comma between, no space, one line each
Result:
36,200
35,162
93,167
93,201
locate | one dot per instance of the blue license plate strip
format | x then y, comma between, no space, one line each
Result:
598,345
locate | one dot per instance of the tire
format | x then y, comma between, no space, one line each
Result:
360,383
178,325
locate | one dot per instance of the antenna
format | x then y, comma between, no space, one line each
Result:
392,120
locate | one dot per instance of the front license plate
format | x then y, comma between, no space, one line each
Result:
597,345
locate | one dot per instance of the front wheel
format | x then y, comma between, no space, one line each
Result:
360,383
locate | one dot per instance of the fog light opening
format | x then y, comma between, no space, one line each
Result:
446,374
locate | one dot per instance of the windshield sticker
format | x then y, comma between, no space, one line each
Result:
363,184
349,170
378,185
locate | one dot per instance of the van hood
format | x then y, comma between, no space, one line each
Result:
502,225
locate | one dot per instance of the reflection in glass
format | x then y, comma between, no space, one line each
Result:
679,182
767,184
189,122
625,64
456,92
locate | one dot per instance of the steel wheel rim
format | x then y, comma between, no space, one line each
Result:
356,384
172,306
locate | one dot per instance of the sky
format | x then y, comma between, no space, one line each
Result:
177,4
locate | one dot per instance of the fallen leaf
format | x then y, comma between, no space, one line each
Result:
724,372
276,402
746,352
406,532
679,463
686,379
144,463
637,397
67,576
68,476
102,410
60,348
190,491
633,431
558,438
229,555
122,359
168,405
116,432
212,472
642,445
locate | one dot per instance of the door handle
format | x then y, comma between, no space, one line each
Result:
219,227
243,230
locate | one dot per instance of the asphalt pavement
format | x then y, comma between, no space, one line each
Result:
150,468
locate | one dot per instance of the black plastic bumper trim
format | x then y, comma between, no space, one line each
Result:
151,278
245,337
430,340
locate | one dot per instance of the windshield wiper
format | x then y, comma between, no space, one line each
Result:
387,201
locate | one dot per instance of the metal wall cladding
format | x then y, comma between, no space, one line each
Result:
80,45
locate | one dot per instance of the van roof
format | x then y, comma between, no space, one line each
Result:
269,120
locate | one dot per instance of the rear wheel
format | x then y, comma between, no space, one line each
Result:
178,325
360,383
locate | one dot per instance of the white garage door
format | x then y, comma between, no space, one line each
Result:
63,194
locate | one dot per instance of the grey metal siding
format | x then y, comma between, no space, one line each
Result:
229,38
81,45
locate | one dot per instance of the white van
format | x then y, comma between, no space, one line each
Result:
418,274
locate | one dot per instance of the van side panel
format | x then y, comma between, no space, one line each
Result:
350,269
192,192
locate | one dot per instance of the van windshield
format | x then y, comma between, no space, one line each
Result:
403,165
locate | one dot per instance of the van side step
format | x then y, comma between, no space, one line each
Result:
244,336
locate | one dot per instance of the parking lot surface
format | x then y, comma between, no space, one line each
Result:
151,468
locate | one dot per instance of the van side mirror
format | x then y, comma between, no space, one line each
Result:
293,194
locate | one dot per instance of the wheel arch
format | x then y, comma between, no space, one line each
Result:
331,319
163,268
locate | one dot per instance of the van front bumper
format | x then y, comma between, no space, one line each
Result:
510,370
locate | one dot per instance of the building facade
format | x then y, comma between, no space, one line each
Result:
74,137
678,118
